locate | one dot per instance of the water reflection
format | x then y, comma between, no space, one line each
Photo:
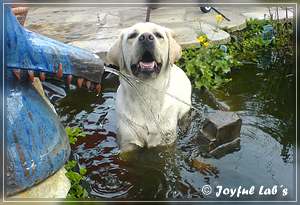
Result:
263,101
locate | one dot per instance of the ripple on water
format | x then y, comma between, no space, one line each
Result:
264,157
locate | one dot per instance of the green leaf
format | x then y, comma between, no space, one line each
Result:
82,170
74,176
74,133
76,191
70,165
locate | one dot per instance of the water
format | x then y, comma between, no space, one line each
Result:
263,99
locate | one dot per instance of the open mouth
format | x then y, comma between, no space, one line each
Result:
147,65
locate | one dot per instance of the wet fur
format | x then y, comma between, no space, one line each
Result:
145,116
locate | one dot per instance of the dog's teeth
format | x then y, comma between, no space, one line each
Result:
147,65
17,73
42,76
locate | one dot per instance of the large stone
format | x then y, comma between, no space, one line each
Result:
55,186
166,15
237,20
214,35
220,128
226,148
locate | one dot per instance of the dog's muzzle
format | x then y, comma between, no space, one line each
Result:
147,65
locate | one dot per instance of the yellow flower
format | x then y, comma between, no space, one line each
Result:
201,39
219,18
206,44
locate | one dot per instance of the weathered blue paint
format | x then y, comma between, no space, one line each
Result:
31,51
36,143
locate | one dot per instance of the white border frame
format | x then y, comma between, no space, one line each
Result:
143,4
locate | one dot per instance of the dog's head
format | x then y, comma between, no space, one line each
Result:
144,50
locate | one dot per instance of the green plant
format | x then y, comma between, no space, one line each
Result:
76,190
249,45
206,66
75,172
74,133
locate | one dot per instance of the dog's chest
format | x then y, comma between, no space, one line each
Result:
147,121
148,117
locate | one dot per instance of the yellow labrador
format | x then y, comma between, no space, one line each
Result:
147,115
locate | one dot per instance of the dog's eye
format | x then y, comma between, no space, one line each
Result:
133,35
158,35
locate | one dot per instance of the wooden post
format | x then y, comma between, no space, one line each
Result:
148,14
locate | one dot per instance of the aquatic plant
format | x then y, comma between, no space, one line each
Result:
75,172
74,133
76,178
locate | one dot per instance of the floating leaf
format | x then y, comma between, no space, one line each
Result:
204,168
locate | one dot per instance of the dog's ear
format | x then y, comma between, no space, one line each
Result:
115,54
174,47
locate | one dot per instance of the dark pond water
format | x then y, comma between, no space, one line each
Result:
265,101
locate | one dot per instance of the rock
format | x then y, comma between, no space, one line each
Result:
213,101
220,128
214,34
226,148
55,186
237,20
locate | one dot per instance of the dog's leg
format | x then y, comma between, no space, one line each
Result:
127,151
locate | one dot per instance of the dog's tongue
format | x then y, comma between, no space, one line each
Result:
147,65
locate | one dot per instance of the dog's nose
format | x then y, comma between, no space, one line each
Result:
146,37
